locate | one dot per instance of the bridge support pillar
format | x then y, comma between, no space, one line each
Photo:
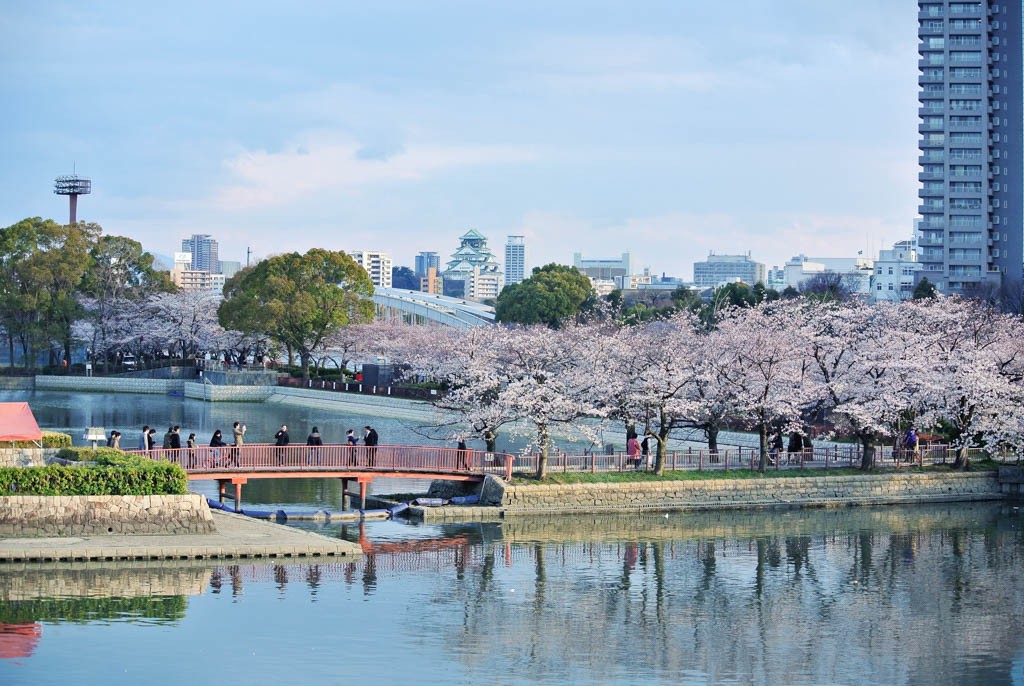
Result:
221,486
344,494
363,483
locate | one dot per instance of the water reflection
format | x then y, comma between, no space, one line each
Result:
900,595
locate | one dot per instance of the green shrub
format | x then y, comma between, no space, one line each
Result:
114,475
102,455
51,439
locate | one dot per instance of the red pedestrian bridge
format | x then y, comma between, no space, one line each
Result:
235,466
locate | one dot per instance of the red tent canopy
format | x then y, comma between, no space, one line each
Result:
17,423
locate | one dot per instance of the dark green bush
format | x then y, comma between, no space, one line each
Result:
104,455
51,439
136,476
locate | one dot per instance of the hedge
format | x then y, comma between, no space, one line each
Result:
122,475
51,439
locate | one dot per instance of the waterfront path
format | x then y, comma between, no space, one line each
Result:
236,537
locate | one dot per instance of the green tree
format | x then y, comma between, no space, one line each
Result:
924,289
298,300
403,277
43,263
552,294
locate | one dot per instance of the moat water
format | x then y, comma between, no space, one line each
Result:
932,594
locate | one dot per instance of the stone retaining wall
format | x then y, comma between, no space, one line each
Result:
832,491
17,383
221,394
27,457
107,384
357,403
76,515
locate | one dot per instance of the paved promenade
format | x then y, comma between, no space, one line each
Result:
236,537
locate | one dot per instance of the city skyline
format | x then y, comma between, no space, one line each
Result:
668,133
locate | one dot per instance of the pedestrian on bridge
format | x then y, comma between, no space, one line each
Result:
462,455
237,432
281,441
370,439
143,439
351,441
314,441
216,442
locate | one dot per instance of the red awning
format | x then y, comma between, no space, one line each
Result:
17,423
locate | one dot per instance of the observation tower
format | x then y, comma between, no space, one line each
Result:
72,186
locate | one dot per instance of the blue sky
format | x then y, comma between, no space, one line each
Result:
666,129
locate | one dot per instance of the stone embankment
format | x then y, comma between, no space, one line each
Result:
811,491
76,515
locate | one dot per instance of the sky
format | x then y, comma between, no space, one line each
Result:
664,129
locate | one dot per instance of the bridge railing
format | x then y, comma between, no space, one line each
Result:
262,457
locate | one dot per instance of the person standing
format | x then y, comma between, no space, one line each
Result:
191,444
167,438
176,438
370,439
115,440
351,441
632,452
645,450
314,441
238,434
151,439
143,439
281,441
462,455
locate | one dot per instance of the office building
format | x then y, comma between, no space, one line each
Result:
856,271
203,250
515,259
426,260
432,283
229,268
188,279
971,125
377,264
722,269
602,269
895,272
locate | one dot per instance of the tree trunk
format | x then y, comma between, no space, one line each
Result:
711,431
662,449
542,448
867,458
762,436
963,460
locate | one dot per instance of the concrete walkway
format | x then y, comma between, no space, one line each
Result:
237,537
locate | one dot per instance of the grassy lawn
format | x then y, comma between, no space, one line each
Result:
693,475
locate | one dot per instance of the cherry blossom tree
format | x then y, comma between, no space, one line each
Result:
766,367
976,364
865,363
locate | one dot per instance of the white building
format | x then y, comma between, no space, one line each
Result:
377,265
484,285
722,269
515,259
893,278
188,279
855,270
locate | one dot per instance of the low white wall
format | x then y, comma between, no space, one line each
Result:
106,384
213,393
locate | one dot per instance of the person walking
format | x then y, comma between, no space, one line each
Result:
151,440
281,441
370,439
645,450
143,441
115,440
216,442
314,441
461,455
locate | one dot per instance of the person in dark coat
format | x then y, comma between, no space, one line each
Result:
462,455
370,439
176,438
216,442
281,440
314,440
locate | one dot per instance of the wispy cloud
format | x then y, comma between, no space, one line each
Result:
262,179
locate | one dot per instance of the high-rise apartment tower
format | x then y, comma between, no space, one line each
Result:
972,122
515,260
204,253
